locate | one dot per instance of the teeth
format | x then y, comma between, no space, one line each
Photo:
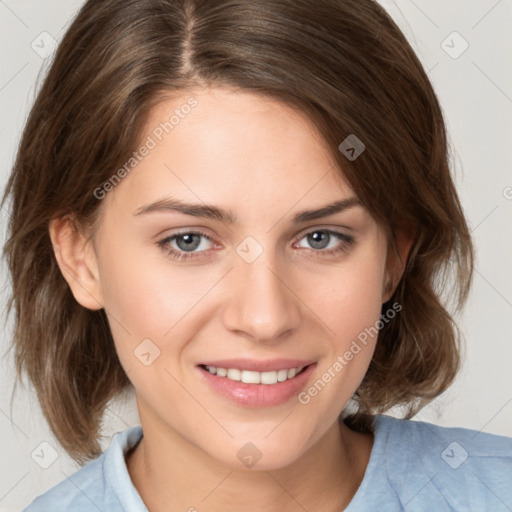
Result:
232,373
251,377
282,375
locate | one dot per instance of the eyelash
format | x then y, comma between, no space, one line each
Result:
345,242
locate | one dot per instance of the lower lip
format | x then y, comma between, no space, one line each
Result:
258,395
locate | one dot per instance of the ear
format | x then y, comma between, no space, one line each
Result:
396,261
77,261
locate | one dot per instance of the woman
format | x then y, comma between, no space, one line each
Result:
244,211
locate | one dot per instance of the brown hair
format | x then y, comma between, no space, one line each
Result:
345,64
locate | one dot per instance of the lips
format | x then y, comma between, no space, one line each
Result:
255,383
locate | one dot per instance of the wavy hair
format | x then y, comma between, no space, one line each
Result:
345,64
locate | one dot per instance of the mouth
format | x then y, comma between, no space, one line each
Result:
254,377
257,384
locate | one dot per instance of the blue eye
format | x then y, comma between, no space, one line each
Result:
189,245
327,241
186,243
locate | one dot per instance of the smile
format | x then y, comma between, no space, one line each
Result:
254,377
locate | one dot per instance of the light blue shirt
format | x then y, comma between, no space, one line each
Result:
414,466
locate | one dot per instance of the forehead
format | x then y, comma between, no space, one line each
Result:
218,144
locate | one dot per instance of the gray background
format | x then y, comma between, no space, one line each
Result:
475,89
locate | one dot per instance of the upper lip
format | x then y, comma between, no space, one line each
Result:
268,365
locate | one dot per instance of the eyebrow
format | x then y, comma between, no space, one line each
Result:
213,212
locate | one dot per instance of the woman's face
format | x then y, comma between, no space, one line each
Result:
241,278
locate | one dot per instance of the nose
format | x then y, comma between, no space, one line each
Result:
262,304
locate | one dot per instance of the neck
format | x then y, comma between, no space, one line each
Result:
172,474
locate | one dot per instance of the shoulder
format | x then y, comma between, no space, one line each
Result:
466,469
103,484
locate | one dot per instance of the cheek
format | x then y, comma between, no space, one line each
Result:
349,306
350,299
147,297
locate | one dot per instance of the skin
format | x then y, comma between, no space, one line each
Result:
265,162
